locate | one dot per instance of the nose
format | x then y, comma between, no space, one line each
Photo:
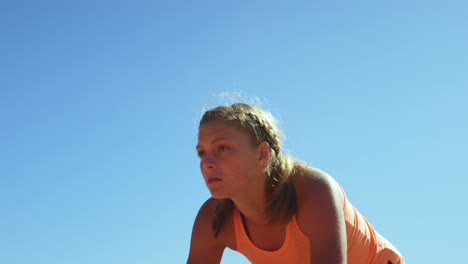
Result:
207,163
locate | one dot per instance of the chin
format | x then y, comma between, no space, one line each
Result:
217,194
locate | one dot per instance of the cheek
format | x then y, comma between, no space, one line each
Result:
201,169
247,165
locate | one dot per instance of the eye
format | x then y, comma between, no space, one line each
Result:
223,148
201,153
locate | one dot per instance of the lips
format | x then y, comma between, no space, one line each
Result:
213,180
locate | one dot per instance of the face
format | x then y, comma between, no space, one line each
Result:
228,160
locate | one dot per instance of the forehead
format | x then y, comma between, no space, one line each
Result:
220,128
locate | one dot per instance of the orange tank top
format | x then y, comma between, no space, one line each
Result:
365,245
295,247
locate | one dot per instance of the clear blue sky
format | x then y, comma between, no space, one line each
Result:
99,102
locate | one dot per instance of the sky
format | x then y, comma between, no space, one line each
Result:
99,104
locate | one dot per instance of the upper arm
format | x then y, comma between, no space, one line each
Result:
321,217
204,247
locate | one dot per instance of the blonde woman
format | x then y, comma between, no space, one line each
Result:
269,208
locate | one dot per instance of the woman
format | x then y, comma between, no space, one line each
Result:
269,208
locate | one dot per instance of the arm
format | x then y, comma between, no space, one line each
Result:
204,247
321,217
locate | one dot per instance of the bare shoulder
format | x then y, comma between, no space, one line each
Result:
320,215
313,184
319,199
206,210
204,246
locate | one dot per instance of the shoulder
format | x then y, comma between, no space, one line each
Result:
320,201
204,246
203,224
207,209
315,186
320,216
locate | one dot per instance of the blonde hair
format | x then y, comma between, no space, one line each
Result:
262,127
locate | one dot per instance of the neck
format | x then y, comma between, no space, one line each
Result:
252,204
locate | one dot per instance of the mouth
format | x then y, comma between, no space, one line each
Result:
213,180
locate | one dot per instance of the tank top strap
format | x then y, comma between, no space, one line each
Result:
297,230
237,228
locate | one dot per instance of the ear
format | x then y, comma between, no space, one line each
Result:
263,153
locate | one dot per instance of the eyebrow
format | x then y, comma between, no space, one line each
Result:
216,140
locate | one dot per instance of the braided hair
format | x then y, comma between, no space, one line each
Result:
262,127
